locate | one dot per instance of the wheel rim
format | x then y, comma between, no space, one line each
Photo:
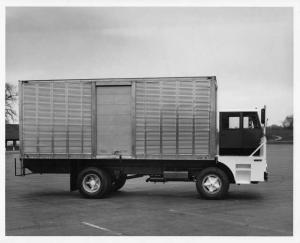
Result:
212,184
91,183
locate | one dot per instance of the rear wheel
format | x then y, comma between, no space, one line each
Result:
212,183
94,182
119,182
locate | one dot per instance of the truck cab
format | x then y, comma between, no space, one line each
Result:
242,145
240,132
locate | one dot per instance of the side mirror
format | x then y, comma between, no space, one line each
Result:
263,116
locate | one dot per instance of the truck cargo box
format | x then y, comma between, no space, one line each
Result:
139,118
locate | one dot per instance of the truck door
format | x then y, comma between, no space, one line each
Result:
251,132
114,120
230,137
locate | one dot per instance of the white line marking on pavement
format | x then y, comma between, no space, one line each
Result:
101,228
230,221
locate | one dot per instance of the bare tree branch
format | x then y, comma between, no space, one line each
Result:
10,100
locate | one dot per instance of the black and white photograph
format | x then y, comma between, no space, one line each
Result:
149,121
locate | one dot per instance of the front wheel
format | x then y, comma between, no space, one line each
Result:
212,183
94,182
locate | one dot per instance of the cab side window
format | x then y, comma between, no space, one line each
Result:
250,121
234,122
231,121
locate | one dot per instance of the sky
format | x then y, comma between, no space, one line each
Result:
249,50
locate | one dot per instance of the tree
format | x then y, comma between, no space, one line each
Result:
10,100
288,122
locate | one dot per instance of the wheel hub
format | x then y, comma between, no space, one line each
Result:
211,184
91,183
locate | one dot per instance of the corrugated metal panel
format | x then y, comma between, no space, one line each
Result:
173,118
169,118
56,119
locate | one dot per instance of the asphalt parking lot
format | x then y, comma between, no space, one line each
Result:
43,205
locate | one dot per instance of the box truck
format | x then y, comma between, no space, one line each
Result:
105,131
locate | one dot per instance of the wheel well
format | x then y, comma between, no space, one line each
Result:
76,168
218,165
227,171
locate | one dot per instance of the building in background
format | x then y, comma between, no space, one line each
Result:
11,137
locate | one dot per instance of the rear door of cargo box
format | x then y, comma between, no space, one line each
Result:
114,120
55,119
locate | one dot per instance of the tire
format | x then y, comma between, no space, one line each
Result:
212,183
118,183
94,182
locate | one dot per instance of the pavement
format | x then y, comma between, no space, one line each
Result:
42,205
